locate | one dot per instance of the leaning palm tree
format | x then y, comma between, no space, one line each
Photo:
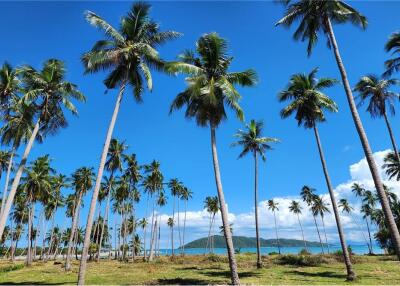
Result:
317,16
82,180
273,206
295,208
170,223
308,102
50,95
211,205
186,195
176,188
308,194
393,45
251,141
320,207
143,223
381,100
129,53
9,87
211,88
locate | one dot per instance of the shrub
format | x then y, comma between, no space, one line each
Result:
301,260
11,268
273,253
216,258
304,252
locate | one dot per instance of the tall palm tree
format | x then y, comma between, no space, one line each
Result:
170,223
161,202
143,224
308,194
316,16
367,211
211,88
393,45
308,102
212,207
114,163
251,141
175,187
273,206
186,195
50,95
129,53
296,208
82,180
9,86
320,207
381,100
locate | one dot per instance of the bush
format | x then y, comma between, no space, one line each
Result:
216,258
304,252
273,253
11,268
301,260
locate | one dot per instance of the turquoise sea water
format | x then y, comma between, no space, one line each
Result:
357,249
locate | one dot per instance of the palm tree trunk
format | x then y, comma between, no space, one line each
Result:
208,245
302,232
367,149
51,236
276,232
350,273
151,256
369,235
326,238
184,229
259,262
86,243
73,229
28,255
227,232
391,137
179,224
17,178
153,240
105,220
9,168
172,227
319,235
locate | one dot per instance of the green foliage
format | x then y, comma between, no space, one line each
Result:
304,252
301,260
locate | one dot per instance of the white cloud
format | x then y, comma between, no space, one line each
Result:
288,226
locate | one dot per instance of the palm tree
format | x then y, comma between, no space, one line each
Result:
295,208
308,103
143,224
273,206
129,53
392,166
115,159
316,16
381,100
367,211
50,95
211,87
9,87
251,141
5,159
176,187
320,207
170,223
308,194
185,196
161,202
392,45
82,180
211,204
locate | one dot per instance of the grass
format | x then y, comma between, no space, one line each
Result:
376,270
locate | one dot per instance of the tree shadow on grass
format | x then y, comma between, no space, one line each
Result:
182,281
322,274
227,273
33,283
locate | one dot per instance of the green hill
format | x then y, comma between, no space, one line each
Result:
243,242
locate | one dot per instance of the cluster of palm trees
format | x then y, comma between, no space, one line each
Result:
33,105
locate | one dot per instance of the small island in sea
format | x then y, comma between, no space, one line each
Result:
246,242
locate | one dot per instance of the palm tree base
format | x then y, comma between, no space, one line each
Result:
259,265
351,276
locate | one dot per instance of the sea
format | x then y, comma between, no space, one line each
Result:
356,248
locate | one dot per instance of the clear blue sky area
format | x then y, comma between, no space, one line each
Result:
35,31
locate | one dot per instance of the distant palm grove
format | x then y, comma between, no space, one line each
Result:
35,103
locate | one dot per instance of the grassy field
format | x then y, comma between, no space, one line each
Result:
206,270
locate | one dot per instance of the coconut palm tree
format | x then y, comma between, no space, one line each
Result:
9,86
129,53
143,223
211,88
308,194
273,206
315,17
170,223
186,195
114,163
320,207
50,95
308,102
251,141
175,187
393,45
161,202
381,100
82,181
212,207
392,166
367,211
296,208
5,159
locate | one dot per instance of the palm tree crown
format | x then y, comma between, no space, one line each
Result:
393,46
308,101
128,52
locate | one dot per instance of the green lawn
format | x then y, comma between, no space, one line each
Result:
203,270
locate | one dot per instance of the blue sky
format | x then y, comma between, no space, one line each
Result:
36,31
